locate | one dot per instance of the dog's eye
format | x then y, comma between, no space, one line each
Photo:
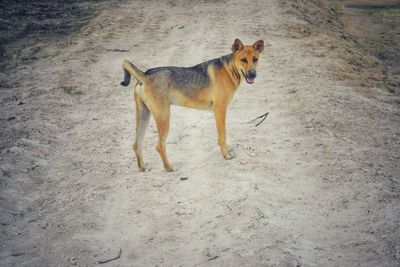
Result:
244,60
255,59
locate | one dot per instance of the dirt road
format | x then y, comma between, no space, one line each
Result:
316,184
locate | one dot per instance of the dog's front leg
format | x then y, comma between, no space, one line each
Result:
220,120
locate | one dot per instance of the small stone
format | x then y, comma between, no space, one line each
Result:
72,261
17,254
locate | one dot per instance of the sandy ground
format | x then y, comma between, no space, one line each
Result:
316,184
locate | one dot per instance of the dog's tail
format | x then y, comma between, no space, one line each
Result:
129,69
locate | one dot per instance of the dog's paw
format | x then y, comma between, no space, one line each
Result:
169,169
228,154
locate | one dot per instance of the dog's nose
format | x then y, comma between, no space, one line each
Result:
252,74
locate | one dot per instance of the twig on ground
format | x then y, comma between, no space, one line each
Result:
264,116
213,258
117,257
118,50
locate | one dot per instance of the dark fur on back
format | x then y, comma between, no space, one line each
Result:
190,78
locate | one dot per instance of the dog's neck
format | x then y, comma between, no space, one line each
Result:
232,71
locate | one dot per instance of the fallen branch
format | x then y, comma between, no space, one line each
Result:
117,257
264,116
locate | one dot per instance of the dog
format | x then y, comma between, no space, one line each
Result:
209,85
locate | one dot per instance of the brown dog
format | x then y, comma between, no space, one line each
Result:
208,85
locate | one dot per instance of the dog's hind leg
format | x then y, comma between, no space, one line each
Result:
162,121
142,121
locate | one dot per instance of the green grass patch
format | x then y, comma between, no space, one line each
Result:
336,7
391,13
71,90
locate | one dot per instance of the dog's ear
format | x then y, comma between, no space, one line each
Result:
259,46
237,46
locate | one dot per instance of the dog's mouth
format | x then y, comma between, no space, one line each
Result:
248,79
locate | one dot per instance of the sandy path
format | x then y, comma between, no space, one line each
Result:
315,185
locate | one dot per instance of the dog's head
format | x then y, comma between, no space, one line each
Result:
246,58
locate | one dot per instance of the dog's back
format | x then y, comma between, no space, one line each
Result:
189,78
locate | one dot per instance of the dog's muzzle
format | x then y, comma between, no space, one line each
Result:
250,76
